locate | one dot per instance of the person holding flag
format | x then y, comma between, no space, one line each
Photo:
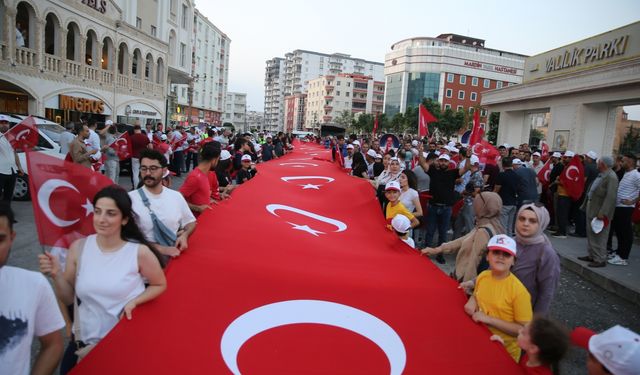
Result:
10,166
112,161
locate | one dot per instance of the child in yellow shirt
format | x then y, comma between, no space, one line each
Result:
500,300
395,207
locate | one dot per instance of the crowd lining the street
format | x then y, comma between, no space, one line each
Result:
499,213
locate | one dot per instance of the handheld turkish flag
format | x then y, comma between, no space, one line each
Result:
177,142
544,147
62,193
545,172
24,135
485,152
123,147
424,118
477,132
572,178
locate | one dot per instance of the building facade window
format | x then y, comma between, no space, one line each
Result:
474,81
183,55
154,31
487,83
461,94
447,106
474,96
393,94
463,80
450,77
449,93
499,84
422,85
459,108
483,112
185,16
138,22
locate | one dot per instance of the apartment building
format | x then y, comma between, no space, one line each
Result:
273,94
236,111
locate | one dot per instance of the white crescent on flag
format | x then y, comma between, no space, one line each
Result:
547,174
266,317
299,165
568,173
340,226
44,195
22,134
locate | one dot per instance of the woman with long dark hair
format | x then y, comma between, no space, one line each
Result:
105,273
359,166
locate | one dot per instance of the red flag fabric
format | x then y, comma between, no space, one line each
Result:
544,173
424,118
544,148
123,146
477,132
24,135
339,293
485,152
572,178
177,142
62,193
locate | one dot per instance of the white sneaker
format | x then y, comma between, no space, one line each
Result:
616,260
611,255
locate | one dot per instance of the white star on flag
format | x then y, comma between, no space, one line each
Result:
88,208
310,186
306,228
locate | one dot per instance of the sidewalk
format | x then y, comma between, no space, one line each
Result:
623,281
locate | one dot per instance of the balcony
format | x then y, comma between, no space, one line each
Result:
328,107
360,100
328,97
329,77
361,90
327,118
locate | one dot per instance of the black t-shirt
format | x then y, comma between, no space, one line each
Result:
359,169
242,174
508,181
442,184
492,171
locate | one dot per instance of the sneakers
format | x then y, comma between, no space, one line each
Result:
611,255
559,235
616,260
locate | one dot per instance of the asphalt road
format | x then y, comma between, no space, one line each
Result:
577,303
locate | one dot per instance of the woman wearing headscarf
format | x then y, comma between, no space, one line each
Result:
538,264
471,248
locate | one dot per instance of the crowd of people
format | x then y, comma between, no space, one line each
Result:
497,215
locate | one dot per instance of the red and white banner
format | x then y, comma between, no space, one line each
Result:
477,132
486,152
62,193
424,118
298,274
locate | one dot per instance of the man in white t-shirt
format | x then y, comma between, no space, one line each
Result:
28,307
94,141
169,206
628,196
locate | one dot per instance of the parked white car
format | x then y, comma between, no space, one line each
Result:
47,130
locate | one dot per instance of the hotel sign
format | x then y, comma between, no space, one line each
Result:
99,5
491,67
607,48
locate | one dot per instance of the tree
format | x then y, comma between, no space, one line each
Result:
492,132
344,118
631,142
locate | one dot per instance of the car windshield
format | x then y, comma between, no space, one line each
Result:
53,131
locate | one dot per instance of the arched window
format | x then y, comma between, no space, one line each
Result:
73,42
106,62
91,50
25,25
52,35
123,58
136,64
148,68
160,71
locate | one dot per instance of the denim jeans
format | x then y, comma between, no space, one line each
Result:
438,217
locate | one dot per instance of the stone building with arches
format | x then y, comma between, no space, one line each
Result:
105,59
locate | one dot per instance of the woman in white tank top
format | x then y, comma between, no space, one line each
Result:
105,272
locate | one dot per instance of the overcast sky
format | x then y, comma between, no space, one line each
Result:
261,30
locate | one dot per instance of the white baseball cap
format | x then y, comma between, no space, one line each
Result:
4,118
516,161
453,149
592,155
245,158
225,155
350,147
371,153
474,159
536,154
414,143
569,154
392,185
618,349
108,122
356,142
451,144
401,223
503,242
556,155
378,156
445,157
163,137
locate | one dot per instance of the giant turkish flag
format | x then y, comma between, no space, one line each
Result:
297,274
62,194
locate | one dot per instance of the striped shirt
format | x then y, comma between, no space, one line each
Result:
629,188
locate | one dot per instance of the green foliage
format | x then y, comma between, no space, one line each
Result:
344,118
631,142
492,132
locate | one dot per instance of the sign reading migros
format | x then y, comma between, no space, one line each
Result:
612,46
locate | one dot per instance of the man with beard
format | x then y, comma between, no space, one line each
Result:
196,188
268,150
9,164
442,182
78,149
163,214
